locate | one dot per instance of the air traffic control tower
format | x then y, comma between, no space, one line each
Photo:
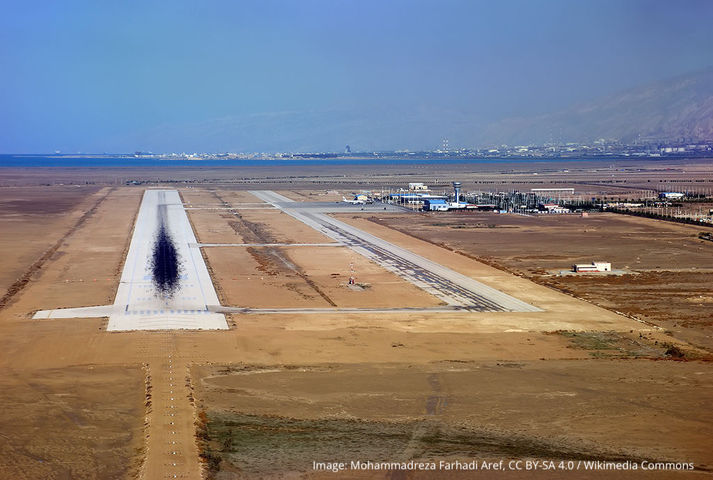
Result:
456,189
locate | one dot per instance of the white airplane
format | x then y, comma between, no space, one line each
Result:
355,201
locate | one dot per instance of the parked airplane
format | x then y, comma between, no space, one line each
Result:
355,201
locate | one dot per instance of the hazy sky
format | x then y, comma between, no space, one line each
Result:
263,75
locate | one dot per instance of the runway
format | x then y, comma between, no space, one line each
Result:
343,310
138,304
450,286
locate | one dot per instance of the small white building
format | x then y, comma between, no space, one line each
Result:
592,267
554,208
671,195
435,205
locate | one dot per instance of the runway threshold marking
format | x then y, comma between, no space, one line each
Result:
188,307
202,245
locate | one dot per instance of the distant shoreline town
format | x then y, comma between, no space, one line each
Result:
597,150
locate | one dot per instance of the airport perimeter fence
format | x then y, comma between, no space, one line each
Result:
658,216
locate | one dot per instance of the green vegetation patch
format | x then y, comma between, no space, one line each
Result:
612,344
253,445
593,340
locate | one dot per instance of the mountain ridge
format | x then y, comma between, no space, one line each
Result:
673,109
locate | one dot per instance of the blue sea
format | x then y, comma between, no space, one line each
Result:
30,161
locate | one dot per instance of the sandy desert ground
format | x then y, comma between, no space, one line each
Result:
277,391
669,270
34,220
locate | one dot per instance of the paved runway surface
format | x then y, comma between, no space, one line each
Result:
138,305
195,305
450,286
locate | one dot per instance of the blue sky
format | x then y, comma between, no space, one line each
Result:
266,75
